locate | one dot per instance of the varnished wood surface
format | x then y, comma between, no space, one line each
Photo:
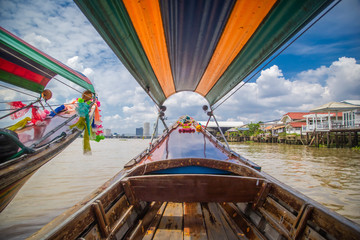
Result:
195,221
192,188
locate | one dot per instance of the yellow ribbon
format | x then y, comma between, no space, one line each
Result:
19,124
81,124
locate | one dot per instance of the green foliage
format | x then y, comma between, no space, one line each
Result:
254,129
234,134
357,148
283,134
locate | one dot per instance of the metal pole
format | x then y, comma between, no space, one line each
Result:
162,119
53,131
152,137
20,109
220,131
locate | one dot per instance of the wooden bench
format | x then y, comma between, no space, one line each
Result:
192,188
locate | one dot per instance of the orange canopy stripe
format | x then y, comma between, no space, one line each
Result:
243,22
146,18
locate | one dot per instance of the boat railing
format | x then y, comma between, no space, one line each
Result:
325,126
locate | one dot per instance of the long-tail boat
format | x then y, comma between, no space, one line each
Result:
33,141
187,184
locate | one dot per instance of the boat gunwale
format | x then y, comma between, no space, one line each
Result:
236,165
148,167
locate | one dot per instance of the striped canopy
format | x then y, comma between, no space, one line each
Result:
204,46
27,67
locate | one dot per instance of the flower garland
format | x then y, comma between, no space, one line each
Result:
186,125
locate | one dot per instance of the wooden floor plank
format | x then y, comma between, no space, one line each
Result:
214,225
215,208
171,224
194,227
141,229
155,223
236,229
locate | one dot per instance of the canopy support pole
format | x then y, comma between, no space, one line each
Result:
152,136
27,106
34,145
162,120
222,134
161,117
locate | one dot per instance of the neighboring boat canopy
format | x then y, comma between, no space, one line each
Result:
205,46
27,67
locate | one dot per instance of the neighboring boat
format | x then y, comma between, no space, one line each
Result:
35,140
188,185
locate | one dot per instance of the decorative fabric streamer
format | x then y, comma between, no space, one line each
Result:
97,114
16,105
38,116
35,115
99,138
83,110
81,125
92,131
19,125
84,124
57,110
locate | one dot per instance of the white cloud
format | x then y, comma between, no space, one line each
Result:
344,79
76,64
60,29
272,83
38,40
272,94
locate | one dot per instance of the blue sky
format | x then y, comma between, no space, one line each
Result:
321,66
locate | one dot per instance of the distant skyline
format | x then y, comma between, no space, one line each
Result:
321,66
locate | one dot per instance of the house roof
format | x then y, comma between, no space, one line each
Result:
334,106
353,102
297,124
222,124
302,115
295,115
269,127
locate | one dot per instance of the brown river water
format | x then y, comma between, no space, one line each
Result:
329,176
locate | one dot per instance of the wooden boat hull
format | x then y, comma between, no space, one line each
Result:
8,193
16,172
155,197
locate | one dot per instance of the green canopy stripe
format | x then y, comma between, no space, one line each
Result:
20,82
113,23
44,60
283,22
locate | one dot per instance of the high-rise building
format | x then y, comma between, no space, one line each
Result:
146,129
139,131
107,132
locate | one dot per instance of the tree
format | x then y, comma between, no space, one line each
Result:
254,129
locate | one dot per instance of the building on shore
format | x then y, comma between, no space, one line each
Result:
139,131
146,129
334,115
224,125
107,133
335,124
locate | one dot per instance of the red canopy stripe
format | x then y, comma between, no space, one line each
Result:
23,72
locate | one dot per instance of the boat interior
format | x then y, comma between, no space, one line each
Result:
156,197
34,134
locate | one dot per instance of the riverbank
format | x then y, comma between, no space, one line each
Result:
316,139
